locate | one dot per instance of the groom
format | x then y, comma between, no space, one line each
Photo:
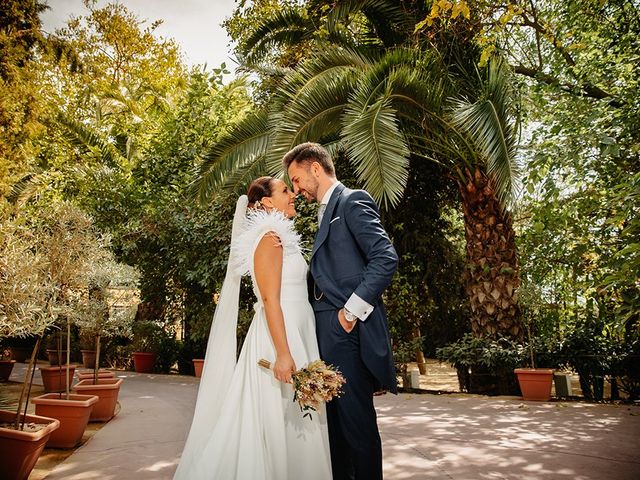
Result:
352,262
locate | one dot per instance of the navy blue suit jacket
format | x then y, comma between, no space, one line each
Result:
353,253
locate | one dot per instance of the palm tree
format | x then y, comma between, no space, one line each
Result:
380,100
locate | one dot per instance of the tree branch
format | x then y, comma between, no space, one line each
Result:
590,91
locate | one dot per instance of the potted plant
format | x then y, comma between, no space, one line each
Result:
54,377
191,355
107,309
71,410
72,247
590,354
485,365
198,365
27,308
88,350
89,360
147,336
6,363
535,383
198,361
55,352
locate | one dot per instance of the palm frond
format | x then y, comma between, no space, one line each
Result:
238,181
320,67
388,11
264,68
287,27
26,188
245,144
88,141
492,128
311,114
376,147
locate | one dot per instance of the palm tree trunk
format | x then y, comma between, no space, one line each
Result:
492,276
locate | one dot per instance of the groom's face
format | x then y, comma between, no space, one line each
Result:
304,178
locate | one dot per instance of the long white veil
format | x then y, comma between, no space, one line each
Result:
220,359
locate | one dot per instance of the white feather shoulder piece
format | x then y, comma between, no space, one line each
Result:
257,224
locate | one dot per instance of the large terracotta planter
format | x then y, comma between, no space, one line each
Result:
535,383
88,374
198,365
143,362
107,391
72,413
54,378
19,451
88,358
52,353
6,366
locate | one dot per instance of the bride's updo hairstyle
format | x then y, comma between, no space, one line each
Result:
259,188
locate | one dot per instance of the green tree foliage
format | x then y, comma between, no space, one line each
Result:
578,224
20,100
365,85
125,131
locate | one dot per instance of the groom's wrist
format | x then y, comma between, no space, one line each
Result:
348,316
358,307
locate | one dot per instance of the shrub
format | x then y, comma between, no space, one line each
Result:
147,336
168,350
485,365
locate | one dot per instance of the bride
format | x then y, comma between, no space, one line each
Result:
246,425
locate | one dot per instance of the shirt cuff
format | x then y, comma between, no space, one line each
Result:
358,307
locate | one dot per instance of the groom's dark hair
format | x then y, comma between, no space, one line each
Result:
306,154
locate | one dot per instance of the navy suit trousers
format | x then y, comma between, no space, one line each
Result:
356,449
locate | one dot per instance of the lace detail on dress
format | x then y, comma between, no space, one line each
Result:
257,224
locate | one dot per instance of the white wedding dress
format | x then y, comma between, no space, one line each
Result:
246,425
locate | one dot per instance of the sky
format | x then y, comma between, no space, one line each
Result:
193,24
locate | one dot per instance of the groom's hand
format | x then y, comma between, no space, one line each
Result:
346,325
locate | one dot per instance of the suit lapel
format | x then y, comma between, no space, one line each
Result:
323,231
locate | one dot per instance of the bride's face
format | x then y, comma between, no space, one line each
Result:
282,198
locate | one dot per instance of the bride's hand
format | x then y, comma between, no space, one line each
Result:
284,367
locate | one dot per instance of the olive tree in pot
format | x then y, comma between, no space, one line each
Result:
106,308
27,308
72,247
535,383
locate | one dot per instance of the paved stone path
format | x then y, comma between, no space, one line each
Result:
450,436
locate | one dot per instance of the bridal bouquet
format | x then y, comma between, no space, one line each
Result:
316,383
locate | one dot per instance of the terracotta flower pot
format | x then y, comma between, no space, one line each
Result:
88,358
535,383
88,374
53,357
144,362
6,366
72,413
19,450
198,364
107,391
54,378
